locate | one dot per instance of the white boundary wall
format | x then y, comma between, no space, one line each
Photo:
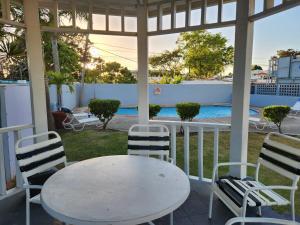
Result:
128,95
169,95
265,100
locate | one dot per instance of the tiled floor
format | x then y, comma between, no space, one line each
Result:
193,212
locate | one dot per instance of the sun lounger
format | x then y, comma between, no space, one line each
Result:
261,123
77,122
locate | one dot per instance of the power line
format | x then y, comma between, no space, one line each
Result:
116,54
116,46
101,43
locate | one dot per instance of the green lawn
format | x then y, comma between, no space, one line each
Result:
91,143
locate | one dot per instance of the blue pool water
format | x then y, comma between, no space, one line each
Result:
206,112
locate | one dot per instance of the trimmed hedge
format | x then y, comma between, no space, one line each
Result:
187,110
153,110
276,113
104,109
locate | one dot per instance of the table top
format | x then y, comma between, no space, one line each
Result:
115,190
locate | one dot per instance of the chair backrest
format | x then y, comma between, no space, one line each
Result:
149,140
280,157
46,153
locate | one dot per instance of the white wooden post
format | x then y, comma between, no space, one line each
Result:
19,179
268,4
186,149
173,143
200,153
241,86
2,168
142,77
35,65
216,146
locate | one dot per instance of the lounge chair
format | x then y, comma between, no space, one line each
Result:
77,122
69,111
261,123
296,108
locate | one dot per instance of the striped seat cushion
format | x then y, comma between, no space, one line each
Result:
276,156
235,189
149,142
36,158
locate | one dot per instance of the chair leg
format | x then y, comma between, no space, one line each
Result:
293,211
171,218
259,211
27,211
243,214
211,199
292,199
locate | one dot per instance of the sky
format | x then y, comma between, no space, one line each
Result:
280,31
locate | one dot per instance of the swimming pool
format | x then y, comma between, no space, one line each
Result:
206,112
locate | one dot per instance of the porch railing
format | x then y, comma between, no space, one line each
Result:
198,128
4,177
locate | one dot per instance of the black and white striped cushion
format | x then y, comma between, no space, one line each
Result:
235,189
149,141
276,156
36,158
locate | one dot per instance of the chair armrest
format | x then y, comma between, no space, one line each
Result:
230,164
260,220
32,186
277,187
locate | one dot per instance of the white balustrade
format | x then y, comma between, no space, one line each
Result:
17,134
199,128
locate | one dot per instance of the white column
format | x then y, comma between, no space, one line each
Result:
35,65
241,86
142,77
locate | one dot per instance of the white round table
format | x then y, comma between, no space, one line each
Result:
115,190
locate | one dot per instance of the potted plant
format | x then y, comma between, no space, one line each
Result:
59,79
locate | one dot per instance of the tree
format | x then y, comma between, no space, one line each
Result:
276,113
288,52
13,56
113,73
205,54
168,63
256,67
68,57
59,79
104,109
92,76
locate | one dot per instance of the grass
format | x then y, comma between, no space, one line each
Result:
91,143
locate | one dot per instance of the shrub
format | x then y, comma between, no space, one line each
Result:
104,109
187,110
276,113
153,110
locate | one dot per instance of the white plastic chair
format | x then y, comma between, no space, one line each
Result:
261,123
260,220
78,121
238,194
36,159
150,140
